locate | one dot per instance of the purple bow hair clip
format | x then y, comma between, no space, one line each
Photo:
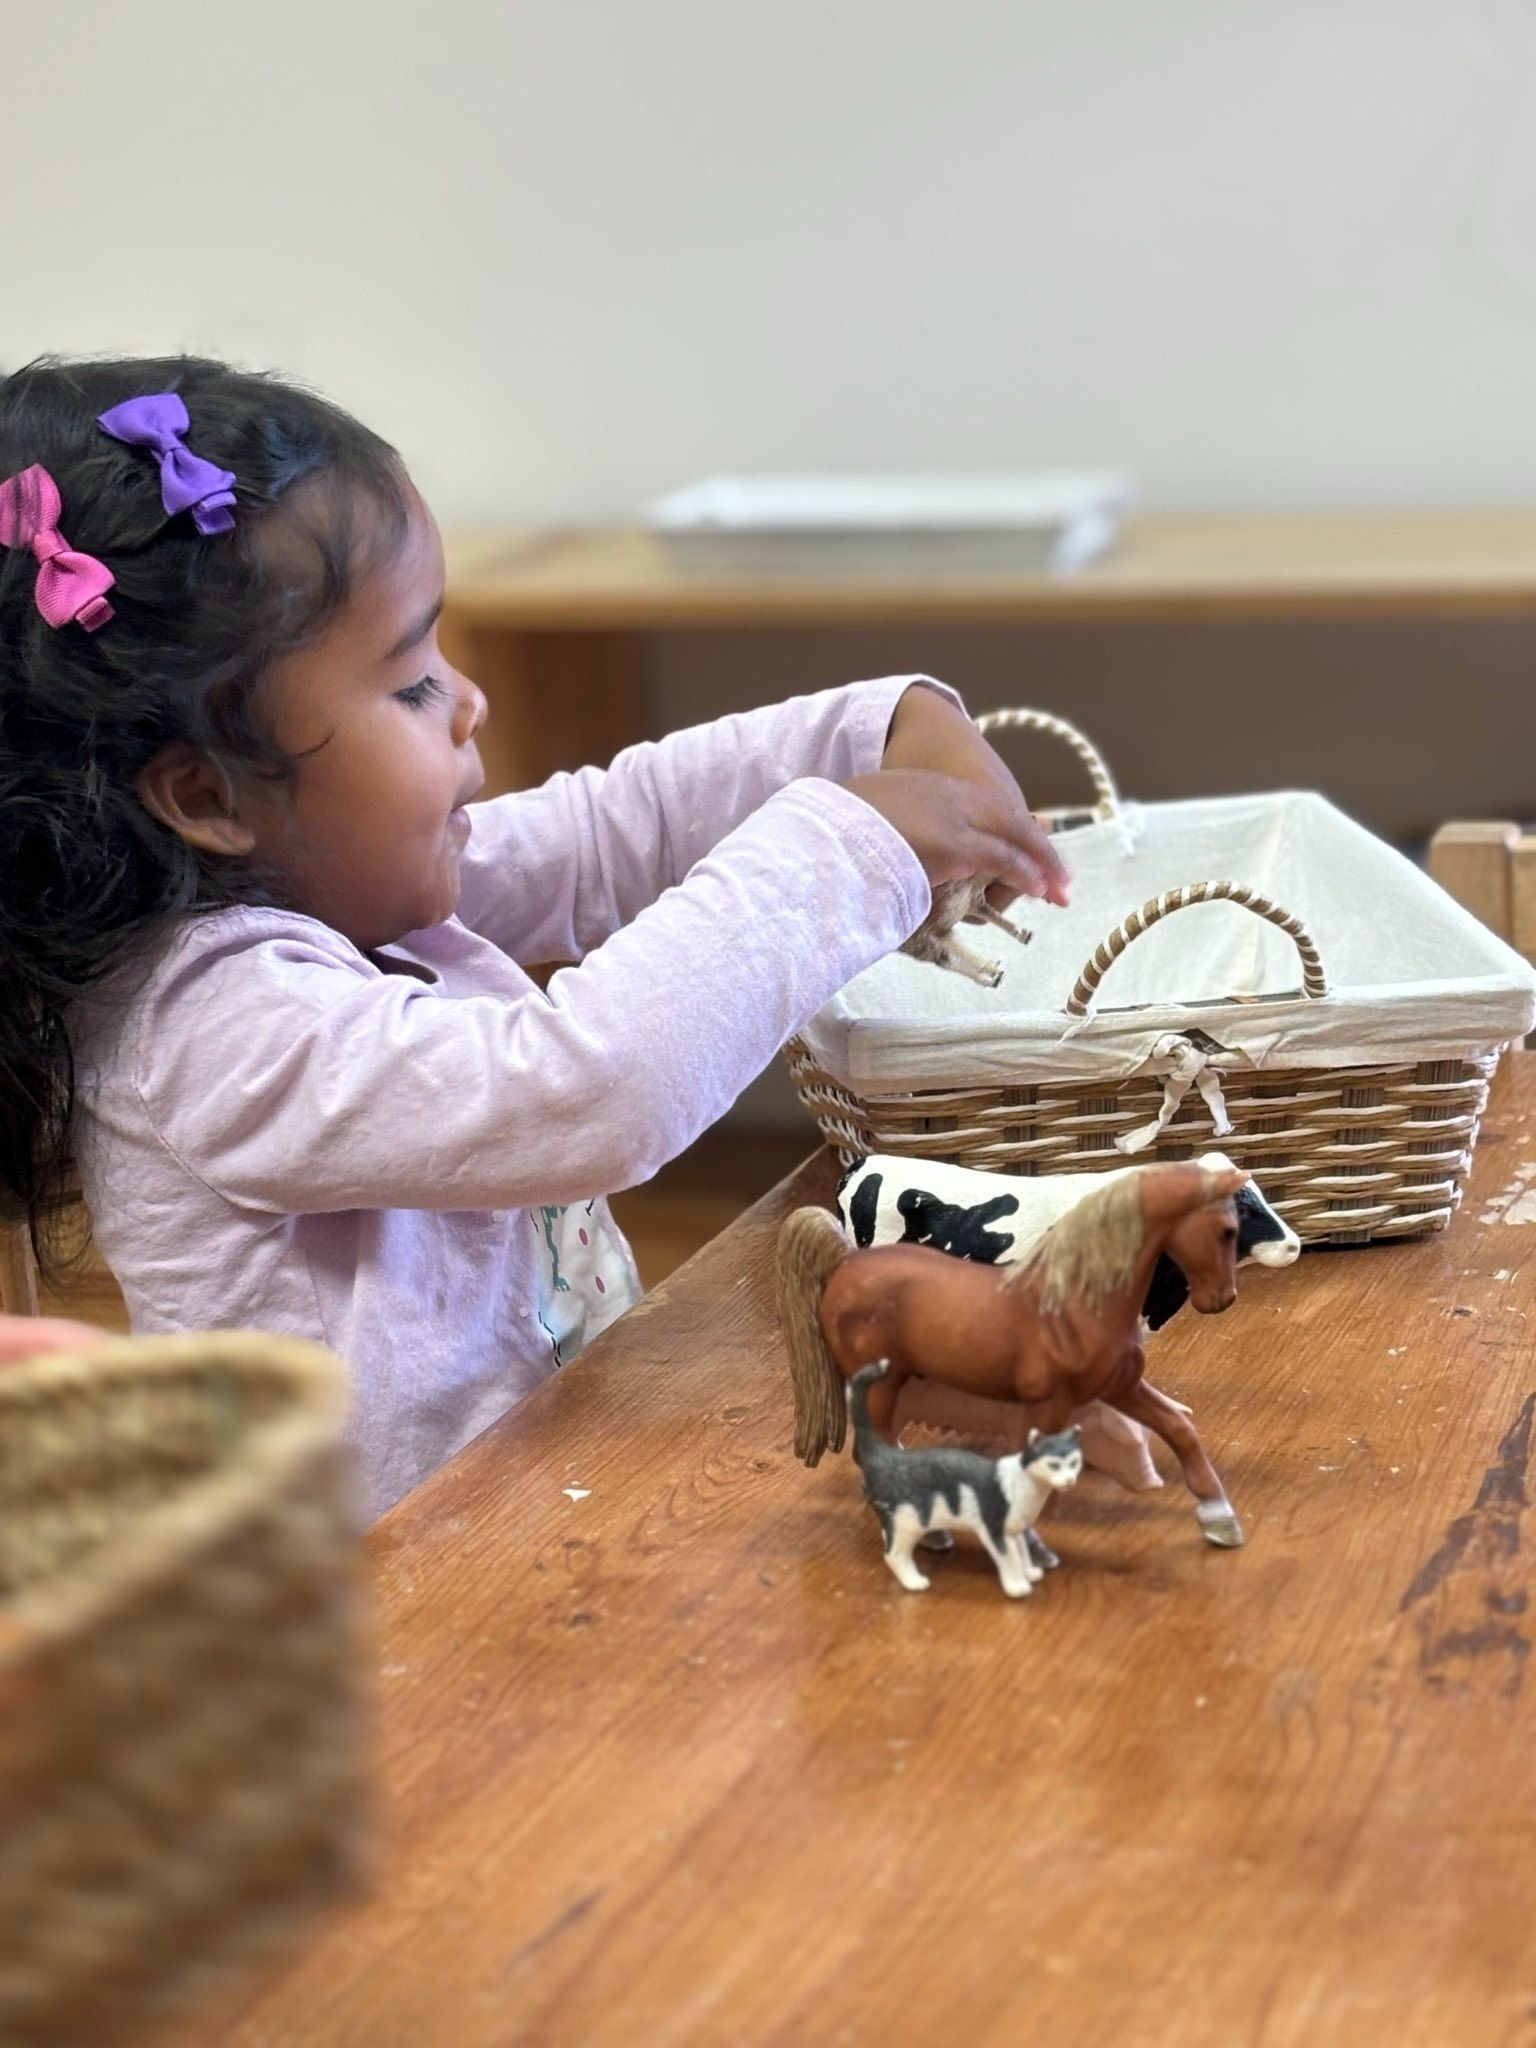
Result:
187,483
71,588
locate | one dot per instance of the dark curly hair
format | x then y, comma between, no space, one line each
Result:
89,880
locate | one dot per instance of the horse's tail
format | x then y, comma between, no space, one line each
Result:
810,1246
866,1437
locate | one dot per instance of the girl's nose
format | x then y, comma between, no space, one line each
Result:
469,712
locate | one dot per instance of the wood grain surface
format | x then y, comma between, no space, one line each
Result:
678,1762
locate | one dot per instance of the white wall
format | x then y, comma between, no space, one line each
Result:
567,253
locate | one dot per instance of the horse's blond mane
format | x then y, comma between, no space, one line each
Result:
1091,1251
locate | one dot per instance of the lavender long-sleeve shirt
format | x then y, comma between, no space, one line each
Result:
404,1156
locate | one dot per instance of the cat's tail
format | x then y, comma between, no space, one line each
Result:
810,1246
865,1436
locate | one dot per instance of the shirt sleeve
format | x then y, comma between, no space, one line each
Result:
550,873
291,1076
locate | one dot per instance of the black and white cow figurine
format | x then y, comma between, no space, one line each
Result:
994,1217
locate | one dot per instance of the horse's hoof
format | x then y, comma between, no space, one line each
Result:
1219,1525
937,1539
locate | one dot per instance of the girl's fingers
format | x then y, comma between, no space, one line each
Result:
1053,869
1014,870
1032,863
959,828
27,1336
1029,829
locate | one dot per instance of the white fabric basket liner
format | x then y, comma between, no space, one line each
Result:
1412,976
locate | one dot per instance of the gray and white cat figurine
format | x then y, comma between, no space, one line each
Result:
919,1492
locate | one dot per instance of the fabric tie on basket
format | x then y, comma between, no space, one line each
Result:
1191,1066
158,421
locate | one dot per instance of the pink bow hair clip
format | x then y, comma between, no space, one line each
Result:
71,587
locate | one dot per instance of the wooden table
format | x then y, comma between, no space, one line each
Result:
550,623
676,1761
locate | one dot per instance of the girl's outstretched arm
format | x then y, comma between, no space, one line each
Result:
552,872
291,1076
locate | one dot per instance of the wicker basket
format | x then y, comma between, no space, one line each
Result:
1347,1152
181,1753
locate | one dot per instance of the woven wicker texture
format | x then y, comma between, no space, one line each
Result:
181,1734
1344,1157
1345,1154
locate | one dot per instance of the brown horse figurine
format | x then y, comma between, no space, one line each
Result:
1003,1350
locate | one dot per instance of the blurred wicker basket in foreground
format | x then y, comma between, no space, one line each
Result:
181,1754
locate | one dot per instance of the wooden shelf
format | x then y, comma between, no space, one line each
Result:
1321,565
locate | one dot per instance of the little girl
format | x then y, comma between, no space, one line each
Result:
260,980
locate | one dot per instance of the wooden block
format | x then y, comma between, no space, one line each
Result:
1522,895
1472,863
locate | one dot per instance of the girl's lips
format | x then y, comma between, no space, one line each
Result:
458,823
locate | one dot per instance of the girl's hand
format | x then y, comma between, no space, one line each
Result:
928,732
961,828
26,1336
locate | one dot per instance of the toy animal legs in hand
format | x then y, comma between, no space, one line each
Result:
937,940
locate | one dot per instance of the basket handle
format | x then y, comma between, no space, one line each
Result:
1314,980
1108,797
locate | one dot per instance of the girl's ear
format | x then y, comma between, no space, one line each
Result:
187,790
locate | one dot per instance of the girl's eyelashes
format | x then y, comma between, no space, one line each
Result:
428,691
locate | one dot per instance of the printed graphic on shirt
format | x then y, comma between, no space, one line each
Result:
586,1278
549,1218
